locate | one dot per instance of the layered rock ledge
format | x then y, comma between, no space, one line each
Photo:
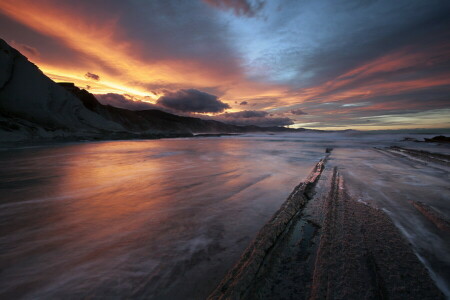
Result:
324,243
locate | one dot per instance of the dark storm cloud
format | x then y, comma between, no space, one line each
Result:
298,112
253,117
124,101
239,7
93,76
191,100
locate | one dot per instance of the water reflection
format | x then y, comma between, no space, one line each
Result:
139,219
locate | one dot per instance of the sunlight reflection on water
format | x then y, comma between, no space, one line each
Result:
161,218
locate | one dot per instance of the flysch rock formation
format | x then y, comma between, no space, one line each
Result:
328,245
238,281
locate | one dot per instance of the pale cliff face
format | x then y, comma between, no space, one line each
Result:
26,94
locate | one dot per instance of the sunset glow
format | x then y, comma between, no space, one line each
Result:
147,50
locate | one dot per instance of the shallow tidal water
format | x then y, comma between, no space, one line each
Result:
162,219
158,218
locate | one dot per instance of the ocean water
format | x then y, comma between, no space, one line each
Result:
159,218
162,219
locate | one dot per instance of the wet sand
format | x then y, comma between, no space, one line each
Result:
340,244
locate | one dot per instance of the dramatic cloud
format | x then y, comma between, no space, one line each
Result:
124,101
93,76
248,8
348,63
192,100
320,41
298,112
253,117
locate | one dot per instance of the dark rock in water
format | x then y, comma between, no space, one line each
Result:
241,278
409,139
439,158
438,139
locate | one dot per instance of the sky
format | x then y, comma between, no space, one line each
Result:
320,64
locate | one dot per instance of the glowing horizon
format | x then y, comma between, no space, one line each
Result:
272,59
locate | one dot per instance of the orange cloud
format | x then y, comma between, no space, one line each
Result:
104,43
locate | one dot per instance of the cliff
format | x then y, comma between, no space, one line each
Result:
33,107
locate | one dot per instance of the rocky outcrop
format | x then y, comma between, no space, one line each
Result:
324,243
434,216
421,155
244,275
438,139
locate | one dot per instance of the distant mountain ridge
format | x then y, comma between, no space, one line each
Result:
153,119
33,107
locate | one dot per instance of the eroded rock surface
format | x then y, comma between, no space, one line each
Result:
337,246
